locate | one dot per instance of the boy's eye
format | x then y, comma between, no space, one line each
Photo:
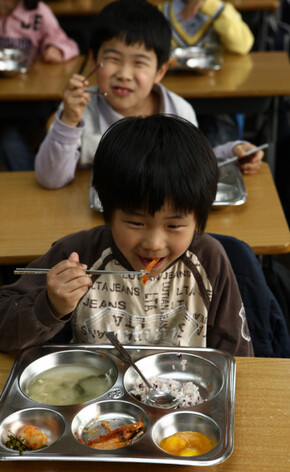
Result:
174,226
140,63
135,223
111,58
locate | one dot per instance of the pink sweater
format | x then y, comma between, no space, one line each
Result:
35,29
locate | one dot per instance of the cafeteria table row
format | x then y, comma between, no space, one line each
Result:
93,7
259,77
261,426
33,217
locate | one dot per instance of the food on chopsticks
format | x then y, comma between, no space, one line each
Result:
187,443
30,439
148,269
119,437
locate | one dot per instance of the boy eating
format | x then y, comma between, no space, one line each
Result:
156,177
131,46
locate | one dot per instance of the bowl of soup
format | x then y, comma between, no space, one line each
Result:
68,377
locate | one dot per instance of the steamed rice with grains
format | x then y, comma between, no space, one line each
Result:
187,393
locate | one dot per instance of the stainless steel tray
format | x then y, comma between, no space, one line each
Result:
213,370
231,188
14,62
196,59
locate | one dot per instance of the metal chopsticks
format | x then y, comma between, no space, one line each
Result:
38,271
248,153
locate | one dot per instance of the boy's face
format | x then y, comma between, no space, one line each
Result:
127,76
142,237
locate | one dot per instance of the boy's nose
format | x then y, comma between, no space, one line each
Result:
153,241
124,71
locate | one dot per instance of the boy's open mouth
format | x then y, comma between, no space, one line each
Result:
145,261
122,91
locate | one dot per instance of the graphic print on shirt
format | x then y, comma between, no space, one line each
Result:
169,309
35,24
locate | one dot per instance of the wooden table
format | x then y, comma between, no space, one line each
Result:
262,426
42,82
93,7
254,75
32,217
259,77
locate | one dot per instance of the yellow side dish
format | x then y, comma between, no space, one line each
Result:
187,443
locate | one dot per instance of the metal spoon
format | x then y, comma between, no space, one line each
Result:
157,398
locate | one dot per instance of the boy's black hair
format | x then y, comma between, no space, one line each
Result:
134,22
30,4
141,162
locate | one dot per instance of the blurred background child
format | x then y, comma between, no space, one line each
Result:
28,25
204,23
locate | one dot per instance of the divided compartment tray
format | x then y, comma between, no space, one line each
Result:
196,59
231,189
212,370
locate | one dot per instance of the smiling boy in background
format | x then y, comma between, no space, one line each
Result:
132,42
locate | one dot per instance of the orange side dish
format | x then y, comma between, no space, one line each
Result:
33,437
148,269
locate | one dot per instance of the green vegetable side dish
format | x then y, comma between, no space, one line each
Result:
17,443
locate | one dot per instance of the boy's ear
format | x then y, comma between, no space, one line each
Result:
161,72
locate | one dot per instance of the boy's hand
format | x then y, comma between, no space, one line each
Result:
75,99
190,10
67,282
52,54
250,164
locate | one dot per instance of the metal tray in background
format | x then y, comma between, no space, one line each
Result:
196,59
212,370
231,188
14,62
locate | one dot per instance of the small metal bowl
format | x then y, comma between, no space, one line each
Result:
95,419
47,421
14,61
186,421
180,367
69,358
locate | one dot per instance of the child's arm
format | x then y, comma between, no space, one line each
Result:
234,33
75,100
54,35
59,153
26,314
227,323
253,163
238,148
52,54
67,282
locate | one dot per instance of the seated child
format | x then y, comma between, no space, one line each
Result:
132,42
157,178
205,23
29,25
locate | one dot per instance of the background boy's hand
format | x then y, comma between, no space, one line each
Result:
52,54
75,100
252,163
66,283
190,10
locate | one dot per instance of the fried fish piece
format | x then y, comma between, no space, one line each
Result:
119,437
